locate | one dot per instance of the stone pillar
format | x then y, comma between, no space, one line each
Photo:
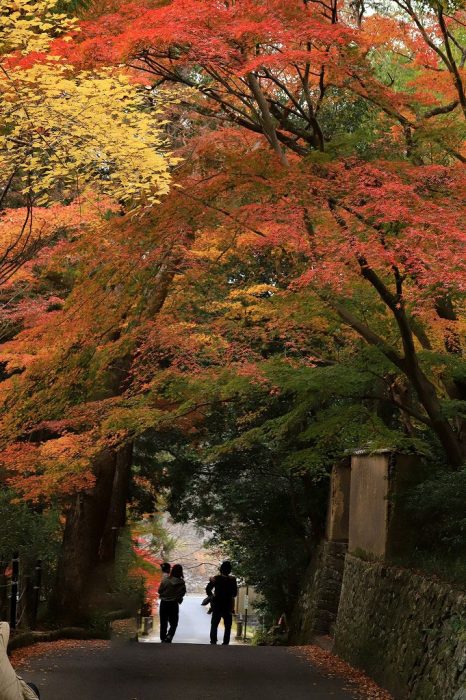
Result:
369,503
317,609
378,522
337,529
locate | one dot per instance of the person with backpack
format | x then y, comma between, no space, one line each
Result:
223,589
172,590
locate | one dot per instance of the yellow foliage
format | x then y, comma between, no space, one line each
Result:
62,129
78,130
30,25
253,292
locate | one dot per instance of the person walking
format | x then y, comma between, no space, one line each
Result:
172,589
166,568
223,589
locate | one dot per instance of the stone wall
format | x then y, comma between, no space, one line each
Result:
408,632
317,608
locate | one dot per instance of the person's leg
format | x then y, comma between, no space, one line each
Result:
214,623
163,620
227,621
34,688
173,616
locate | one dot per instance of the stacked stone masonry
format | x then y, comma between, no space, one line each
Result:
316,611
406,631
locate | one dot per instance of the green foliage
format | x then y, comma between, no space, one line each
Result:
128,587
266,519
439,505
437,515
272,636
350,124
256,471
437,563
34,533
98,625
158,540
72,7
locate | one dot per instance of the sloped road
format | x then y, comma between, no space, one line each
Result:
132,671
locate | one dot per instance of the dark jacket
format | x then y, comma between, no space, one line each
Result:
172,589
223,589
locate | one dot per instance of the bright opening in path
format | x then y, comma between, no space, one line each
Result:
199,564
193,627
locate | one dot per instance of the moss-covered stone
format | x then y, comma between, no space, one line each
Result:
406,631
317,607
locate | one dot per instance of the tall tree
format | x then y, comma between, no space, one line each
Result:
64,133
276,73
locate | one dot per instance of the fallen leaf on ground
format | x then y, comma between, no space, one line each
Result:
20,657
334,666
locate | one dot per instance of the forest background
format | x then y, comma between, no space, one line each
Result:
232,250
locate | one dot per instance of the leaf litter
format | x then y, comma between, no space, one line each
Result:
333,666
49,651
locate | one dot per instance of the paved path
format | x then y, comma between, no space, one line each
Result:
194,624
132,671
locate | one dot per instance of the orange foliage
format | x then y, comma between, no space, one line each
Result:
248,255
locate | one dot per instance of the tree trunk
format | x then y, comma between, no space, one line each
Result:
85,524
116,517
427,395
93,519
266,118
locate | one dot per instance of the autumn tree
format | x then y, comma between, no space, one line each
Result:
74,147
224,297
63,132
437,29
296,293
275,385
75,359
282,69
283,74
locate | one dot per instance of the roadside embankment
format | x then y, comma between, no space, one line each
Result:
408,632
